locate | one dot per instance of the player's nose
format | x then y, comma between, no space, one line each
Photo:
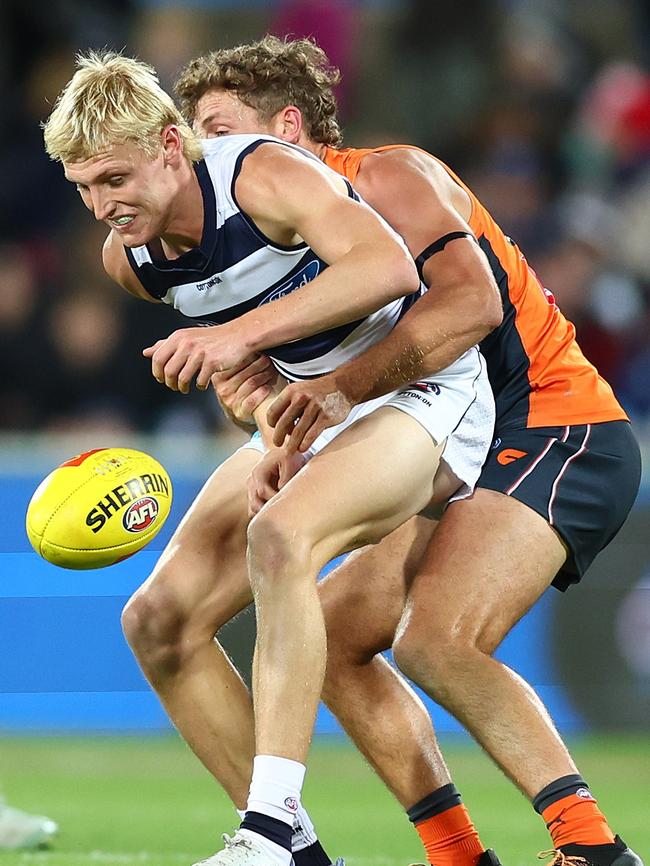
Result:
102,206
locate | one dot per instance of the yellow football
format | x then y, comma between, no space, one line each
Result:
98,508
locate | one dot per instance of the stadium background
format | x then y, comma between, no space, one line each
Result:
544,109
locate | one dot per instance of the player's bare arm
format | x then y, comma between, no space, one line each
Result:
120,271
291,199
423,203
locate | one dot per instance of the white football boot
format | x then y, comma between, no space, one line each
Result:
243,849
21,830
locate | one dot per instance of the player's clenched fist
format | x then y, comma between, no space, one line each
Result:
304,409
244,387
276,468
196,353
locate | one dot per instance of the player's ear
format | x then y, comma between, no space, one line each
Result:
172,144
290,125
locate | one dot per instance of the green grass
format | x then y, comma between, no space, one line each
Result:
128,801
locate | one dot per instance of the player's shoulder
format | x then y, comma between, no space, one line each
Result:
118,268
277,168
402,175
400,164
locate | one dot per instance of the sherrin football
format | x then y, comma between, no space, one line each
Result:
98,508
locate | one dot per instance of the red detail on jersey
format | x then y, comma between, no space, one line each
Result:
79,459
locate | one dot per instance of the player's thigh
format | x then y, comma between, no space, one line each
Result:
363,597
203,567
489,560
365,483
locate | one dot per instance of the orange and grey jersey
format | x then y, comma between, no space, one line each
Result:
538,373
236,268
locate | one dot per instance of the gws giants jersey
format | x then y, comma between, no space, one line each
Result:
236,269
539,376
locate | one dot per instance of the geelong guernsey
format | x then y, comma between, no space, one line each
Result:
236,269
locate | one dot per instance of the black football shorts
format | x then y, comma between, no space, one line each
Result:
583,479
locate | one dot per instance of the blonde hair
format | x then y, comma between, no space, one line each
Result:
268,75
113,100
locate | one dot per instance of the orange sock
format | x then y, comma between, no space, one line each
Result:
577,820
450,838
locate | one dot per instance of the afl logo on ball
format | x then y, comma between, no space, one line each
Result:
140,515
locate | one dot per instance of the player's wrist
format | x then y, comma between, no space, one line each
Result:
350,385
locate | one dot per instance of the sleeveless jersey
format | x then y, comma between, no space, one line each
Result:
236,269
538,373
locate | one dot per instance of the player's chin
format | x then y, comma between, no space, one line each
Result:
136,233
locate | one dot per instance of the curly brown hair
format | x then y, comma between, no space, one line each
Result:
268,75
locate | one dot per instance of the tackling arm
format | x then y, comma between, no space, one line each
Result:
419,199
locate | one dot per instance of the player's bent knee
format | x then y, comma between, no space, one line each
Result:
154,623
420,656
276,552
151,615
435,661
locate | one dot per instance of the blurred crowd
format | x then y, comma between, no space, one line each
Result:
542,107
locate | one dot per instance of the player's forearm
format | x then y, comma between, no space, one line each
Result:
424,342
361,282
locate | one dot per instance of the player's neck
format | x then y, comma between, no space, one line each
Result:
185,225
315,147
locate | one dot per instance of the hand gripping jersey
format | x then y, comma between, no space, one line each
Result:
236,269
538,374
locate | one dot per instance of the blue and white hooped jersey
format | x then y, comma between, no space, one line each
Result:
236,269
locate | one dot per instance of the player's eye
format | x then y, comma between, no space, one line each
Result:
116,180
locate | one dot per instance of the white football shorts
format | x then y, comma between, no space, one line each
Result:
456,406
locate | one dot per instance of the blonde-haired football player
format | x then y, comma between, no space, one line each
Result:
274,249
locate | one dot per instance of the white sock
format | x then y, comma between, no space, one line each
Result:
275,787
304,833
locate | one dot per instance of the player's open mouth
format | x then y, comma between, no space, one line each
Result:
121,222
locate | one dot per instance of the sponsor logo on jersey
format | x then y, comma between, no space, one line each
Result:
496,443
135,490
509,455
140,515
208,284
291,803
585,794
305,275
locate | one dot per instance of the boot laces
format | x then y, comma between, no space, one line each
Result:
562,859
236,840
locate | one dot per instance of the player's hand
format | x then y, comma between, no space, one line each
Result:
304,409
196,352
275,469
244,387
